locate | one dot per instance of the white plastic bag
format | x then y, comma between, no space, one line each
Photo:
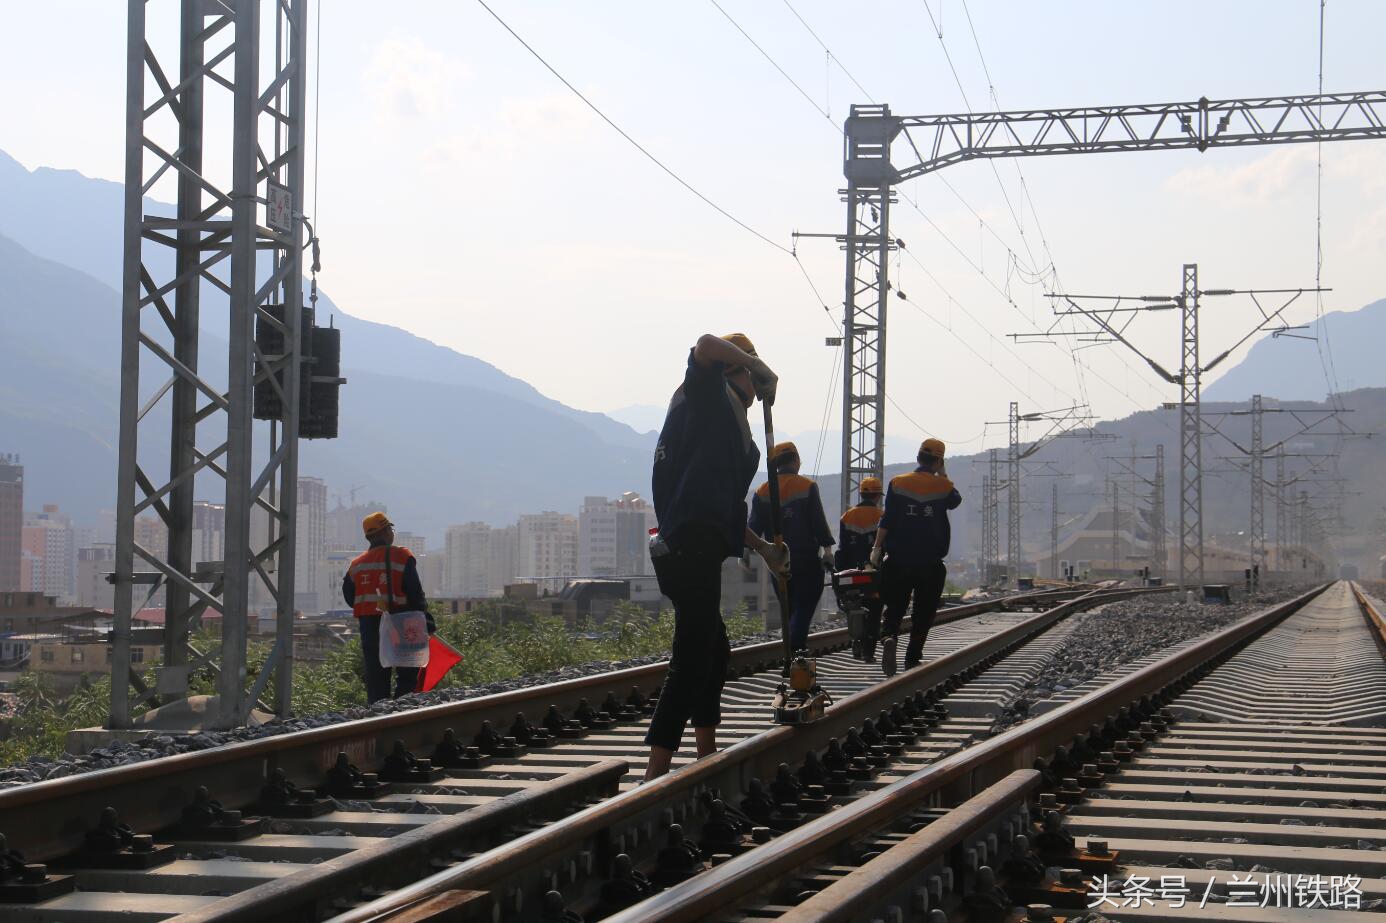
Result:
404,639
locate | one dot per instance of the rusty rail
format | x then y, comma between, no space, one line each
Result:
631,818
952,779
889,878
49,819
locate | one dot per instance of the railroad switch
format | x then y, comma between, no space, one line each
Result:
113,845
206,819
28,882
403,766
346,781
281,798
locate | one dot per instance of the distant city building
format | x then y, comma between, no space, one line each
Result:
469,558
93,564
413,541
50,537
209,533
613,536
310,544
431,568
336,560
547,551
11,521
344,522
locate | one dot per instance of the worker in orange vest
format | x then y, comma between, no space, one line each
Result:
384,578
806,532
856,533
911,543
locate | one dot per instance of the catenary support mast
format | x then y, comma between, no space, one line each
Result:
230,259
952,139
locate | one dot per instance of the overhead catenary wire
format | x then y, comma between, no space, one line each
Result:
624,134
1037,275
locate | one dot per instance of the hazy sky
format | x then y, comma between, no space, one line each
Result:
469,197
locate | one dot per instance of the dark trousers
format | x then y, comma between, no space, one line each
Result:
921,584
805,590
692,579
406,679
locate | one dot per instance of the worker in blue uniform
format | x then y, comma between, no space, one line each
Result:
910,546
806,532
704,463
856,534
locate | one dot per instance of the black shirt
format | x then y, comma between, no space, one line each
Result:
705,459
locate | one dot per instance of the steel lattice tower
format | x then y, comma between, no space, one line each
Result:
1054,531
1013,498
217,115
1258,495
993,517
1159,555
1190,436
866,164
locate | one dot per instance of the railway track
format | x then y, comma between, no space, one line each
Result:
164,849
1237,777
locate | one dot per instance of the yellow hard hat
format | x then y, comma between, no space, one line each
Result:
741,342
870,485
783,449
932,447
374,523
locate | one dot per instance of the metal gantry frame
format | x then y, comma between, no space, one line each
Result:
951,139
218,115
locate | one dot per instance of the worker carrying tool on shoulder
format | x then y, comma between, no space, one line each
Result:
856,534
384,578
703,466
913,538
806,533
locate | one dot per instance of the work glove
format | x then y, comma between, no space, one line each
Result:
763,380
776,558
876,554
828,557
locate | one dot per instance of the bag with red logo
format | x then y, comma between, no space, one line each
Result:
403,635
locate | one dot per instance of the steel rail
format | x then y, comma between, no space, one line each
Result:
880,880
1370,613
952,779
49,819
519,867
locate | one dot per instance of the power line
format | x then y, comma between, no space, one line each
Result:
622,132
821,111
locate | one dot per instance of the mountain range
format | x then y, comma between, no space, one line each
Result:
441,436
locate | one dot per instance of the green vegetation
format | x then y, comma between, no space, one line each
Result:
491,652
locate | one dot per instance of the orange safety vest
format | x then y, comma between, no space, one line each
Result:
367,572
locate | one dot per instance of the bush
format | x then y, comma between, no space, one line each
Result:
492,651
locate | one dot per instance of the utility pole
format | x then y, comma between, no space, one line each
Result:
1054,530
223,134
993,519
1255,453
1116,535
870,130
1013,496
1190,436
1065,422
1113,320
1155,499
